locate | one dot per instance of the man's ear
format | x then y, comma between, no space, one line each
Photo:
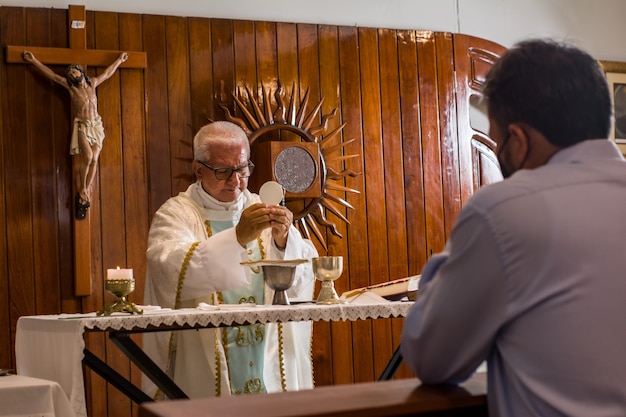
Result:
519,143
197,169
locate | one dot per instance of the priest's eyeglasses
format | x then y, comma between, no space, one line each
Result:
225,173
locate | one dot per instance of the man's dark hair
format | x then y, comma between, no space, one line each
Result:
554,87
72,81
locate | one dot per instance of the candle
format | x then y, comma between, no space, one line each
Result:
119,273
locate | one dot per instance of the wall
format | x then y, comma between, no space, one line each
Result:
593,25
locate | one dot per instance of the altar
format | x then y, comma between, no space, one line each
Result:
52,346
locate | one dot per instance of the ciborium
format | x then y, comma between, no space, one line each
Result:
120,288
279,275
327,269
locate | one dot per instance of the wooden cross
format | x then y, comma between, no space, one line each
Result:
78,53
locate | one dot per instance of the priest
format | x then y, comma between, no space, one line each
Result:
196,243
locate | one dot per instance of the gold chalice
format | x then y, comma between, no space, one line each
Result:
120,288
327,269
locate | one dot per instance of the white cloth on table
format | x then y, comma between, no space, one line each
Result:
64,346
22,396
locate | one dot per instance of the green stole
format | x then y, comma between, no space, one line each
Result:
244,346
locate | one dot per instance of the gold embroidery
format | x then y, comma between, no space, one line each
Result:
281,357
251,335
218,364
249,300
179,289
240,339
257,269
311,357
207,225
181,274
253,386
261,248
224,344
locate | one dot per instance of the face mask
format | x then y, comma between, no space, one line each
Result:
505,171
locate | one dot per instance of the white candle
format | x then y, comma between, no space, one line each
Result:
119,273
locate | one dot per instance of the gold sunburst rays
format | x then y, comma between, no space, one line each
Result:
261,116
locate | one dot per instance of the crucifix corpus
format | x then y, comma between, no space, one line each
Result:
88,132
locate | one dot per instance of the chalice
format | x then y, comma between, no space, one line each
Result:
327,269
120,288
279,275
279,278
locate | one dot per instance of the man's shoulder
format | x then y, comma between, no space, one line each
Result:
495,193
181,200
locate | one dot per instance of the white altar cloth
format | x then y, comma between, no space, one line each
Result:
22,396
51,346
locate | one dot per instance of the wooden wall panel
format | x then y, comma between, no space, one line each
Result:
179,103
245,56
17,169
447,130
157,109
41,152
413,175
394,92
343,334
11,31
6,345
266,53
200,69
396,256
376,243
431,143
329,80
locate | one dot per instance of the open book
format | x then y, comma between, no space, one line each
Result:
392,290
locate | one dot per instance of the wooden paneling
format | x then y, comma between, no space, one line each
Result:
344,340
403,97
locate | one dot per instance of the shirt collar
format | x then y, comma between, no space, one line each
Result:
209,202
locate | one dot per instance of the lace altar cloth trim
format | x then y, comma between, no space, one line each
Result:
236,316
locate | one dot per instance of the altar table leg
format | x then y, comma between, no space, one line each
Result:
392,366
162,380
114,378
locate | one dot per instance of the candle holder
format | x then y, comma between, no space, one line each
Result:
120,288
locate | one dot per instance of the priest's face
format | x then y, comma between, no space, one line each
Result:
224,156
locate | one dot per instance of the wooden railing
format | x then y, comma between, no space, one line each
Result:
403,397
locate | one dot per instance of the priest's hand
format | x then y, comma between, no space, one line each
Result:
259,217
281,219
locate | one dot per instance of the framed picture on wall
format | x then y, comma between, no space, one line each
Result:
616,76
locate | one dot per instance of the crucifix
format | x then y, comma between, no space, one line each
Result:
78,53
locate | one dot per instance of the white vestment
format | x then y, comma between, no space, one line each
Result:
190,262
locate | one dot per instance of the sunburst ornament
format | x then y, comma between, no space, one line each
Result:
292,150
